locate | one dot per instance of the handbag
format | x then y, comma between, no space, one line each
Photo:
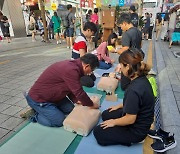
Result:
31,26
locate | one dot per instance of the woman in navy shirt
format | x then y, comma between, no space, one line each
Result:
129,122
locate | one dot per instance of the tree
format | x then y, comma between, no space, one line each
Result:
41,2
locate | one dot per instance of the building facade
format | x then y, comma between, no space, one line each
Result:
12,9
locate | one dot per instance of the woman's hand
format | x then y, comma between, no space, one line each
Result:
113,50
113,108
108,123
118,68
112,61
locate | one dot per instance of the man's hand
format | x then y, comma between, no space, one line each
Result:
108,123
95,99
95,106
79,103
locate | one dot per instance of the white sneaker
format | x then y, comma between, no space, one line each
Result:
71,47
57,42
60,41
68,47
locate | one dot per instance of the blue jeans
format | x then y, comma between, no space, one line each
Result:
49,114
103,65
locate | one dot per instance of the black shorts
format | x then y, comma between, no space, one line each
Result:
145,30
70,32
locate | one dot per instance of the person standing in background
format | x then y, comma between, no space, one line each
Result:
49,25
151,27
57,25
134,16
146,26
88,16
164,28
4,23
70,27
95,19
32,26
41,29
158,25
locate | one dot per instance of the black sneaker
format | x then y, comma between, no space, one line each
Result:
164,144
158,134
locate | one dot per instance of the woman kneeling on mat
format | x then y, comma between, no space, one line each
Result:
105,62
129,122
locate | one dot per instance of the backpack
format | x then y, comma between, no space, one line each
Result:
134,20
31,26
153,83
51,24
66,21
6,24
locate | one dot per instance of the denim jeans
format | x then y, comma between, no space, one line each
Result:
49,114
103,65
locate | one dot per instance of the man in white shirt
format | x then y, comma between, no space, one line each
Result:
49,25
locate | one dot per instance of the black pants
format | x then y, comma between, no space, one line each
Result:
87,80
117,134
150,32
51,32
96,37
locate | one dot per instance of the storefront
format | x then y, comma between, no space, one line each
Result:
174,17
12,9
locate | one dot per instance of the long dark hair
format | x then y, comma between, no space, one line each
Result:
159,18
134,58
111,36
55,14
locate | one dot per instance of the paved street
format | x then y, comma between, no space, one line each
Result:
19,69
22,61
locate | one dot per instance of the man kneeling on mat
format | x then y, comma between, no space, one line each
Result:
129,122
53,94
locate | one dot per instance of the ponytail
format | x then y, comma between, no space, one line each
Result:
144,69
134,58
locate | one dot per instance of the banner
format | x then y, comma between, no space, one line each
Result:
128,2
98,3
82,3
114,2
54,6
90,3
106,2
121,2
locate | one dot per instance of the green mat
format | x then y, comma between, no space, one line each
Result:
118,91
37,139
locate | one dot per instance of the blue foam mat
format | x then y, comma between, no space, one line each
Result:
88,145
